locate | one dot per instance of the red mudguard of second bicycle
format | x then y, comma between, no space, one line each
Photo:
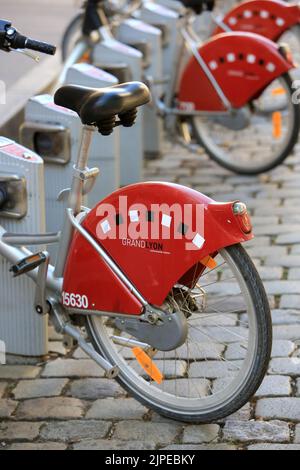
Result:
152,264
270,18
243,64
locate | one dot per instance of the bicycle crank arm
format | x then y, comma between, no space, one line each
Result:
65,328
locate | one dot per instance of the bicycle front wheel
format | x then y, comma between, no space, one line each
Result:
260,139
226,353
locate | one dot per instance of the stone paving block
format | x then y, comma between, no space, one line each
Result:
7,407
295,249
75,430
51,408
297,434
184,388
113,444
282,348
247,431
290,301
13,431
285,317
278,408
3,387
285,366
275,229
119,408
288,261
275,385
270,273
281,287
294,273
79,354
39,388
290,332
213,369
19,372
191,447
274,447
73,368
159,433
38,446
298,387
288,238
266,251
243,414
92,389
57,347
202,434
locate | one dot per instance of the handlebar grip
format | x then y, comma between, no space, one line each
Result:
39,46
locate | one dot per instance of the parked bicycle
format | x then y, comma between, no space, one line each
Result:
178,314
234,96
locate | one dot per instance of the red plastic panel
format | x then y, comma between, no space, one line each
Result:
270,18
243,64
152,264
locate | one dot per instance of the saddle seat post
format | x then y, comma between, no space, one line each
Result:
75,198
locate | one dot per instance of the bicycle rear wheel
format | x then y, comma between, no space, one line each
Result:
260,139
226,353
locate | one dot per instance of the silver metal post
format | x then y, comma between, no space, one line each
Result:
75,199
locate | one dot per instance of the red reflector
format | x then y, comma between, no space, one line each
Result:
245,222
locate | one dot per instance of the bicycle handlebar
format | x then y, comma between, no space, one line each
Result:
10,38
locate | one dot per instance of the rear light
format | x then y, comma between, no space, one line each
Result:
241,213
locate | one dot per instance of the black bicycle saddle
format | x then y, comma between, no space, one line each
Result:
100,106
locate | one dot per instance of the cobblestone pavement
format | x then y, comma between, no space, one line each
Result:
66,402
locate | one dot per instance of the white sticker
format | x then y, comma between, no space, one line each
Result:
271,67
198,241
231,57
280,21
251,58
105,226
166,221
213,65
247,14
264,14
134,216
232,20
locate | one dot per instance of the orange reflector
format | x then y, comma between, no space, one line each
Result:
278,91
209,262
277,124
148,365
86,57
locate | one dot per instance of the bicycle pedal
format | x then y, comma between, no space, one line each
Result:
28,264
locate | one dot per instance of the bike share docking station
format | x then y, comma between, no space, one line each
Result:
54,133
22,210
166,20
148,40
126,64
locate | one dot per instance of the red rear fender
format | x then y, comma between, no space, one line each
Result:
177,228
270,18
243,64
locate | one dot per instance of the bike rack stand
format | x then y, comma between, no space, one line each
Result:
110,54
54,133
105,151
132,32
22,175
166,19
